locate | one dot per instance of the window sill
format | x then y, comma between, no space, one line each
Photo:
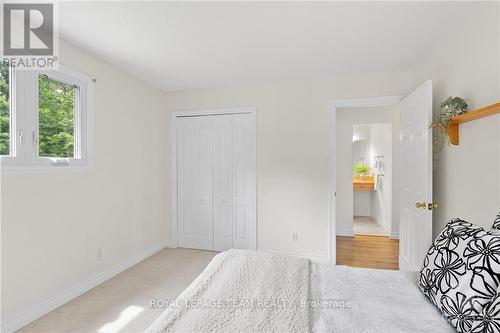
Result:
44,169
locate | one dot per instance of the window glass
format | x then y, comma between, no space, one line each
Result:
56,118
4,108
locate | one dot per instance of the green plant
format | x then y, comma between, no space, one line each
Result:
361,169
451,107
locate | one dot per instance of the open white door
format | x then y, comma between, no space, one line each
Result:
416,205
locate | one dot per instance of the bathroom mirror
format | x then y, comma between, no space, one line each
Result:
360,152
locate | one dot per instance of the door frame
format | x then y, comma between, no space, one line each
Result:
332,110
173,242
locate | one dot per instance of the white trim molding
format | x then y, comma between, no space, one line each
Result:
394,235
171,244
332,197
345,233
366,102
23,319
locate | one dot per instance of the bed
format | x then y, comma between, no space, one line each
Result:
250,291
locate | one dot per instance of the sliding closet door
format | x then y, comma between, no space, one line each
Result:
194,170
244,188
223,181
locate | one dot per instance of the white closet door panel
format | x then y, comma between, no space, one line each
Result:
244,187
223,182
185,208
195,183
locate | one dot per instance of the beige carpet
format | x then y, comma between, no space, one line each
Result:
123,303
365,225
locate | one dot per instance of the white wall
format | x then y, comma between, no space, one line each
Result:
361,132
381,198
362,204
467,64
292,139
346,118
54,224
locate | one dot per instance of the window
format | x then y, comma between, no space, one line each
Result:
56,117
4,108
51,126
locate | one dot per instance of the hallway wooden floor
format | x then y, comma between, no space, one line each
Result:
368,252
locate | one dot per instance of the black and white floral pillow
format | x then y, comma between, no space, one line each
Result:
461,272
489,318
496,222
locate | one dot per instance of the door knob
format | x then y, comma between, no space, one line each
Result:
432,205
421,205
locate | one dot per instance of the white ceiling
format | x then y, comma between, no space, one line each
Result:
199,45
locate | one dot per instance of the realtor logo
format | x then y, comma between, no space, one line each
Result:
29,37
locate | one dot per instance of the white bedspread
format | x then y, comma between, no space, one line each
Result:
257,282
381,301
370,300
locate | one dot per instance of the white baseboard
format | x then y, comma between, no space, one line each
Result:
51,304
171,244
313,257
394,235
345,233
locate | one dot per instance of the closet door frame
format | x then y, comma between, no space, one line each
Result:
172,242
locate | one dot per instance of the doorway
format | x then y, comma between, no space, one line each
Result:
366,146
372,166
412,176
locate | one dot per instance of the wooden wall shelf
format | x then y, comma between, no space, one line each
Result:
486,111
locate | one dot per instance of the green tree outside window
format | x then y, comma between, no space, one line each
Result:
56,115
56,118
4,109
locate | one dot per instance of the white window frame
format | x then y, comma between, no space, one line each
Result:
16,134
24,123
